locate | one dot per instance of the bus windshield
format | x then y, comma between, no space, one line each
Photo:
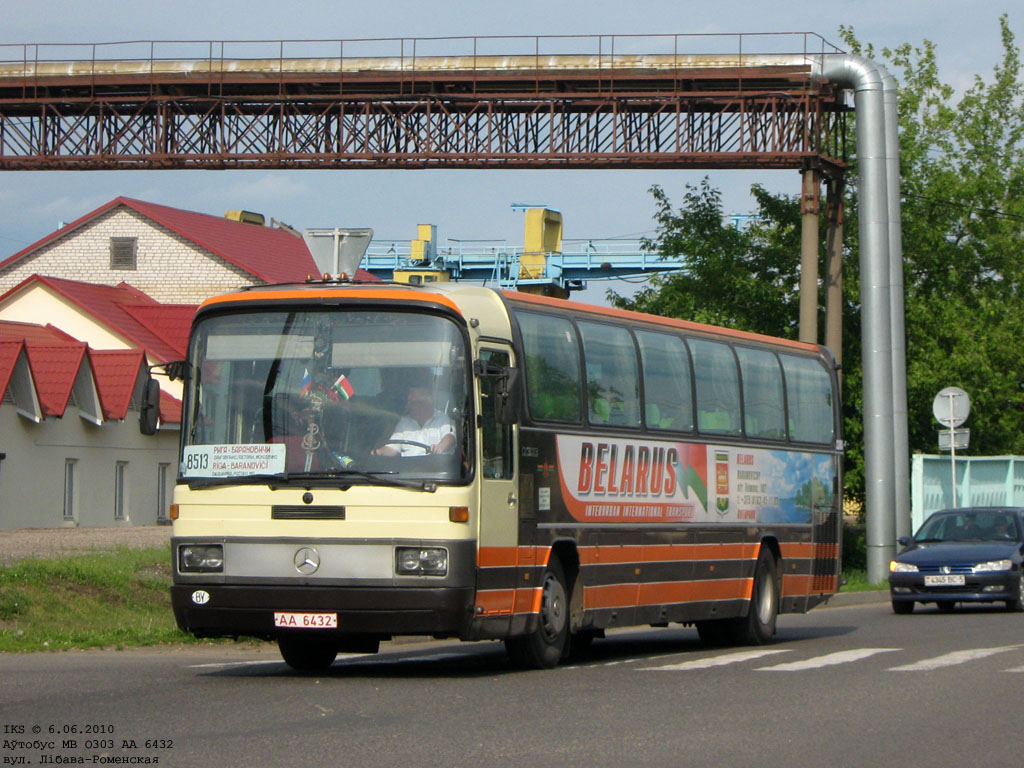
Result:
332,395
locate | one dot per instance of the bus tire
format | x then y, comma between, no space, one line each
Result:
758,627
306,654
543,648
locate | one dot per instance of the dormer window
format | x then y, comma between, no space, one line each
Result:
123,251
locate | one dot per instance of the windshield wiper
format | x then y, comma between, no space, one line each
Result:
287,479
197,483
298,478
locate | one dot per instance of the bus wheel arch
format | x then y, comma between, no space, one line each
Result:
547,643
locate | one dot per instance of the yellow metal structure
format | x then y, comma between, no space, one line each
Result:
246,217
424,247
421,276
543,235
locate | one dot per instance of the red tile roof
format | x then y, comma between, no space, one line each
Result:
170,409
126,311
42,334
117,373
54,364
10,351
55,368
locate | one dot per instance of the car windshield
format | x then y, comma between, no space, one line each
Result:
297,396
970,525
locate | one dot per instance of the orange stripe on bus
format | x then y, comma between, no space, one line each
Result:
628,595
528,600
660,553
496,557
495,602
509,557
315,291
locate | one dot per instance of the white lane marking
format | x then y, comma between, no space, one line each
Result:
828,660
952,659
223,664
719,661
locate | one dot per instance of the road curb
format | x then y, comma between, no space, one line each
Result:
868,597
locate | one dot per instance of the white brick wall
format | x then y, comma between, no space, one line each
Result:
169,268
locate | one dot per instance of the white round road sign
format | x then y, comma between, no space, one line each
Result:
951,407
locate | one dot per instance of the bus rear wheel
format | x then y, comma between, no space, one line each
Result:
758,626
543,648
306,654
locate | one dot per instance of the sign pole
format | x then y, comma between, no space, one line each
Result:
952,446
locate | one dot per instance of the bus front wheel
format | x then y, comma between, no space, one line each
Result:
543,648
306,654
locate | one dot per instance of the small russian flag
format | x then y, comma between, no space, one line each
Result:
307,384
343,387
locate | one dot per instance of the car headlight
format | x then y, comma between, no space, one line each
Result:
201,558
421,561
994,565
895,566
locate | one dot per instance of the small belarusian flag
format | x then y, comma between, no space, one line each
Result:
343,387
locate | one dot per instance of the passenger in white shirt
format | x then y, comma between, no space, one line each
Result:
423,424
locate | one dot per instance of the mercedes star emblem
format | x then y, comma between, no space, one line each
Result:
306,561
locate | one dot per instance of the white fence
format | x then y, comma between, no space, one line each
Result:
980,481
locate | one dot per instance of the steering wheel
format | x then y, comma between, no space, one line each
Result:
418,444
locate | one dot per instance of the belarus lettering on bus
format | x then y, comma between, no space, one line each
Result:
361,461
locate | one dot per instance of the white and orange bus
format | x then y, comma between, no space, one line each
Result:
588,468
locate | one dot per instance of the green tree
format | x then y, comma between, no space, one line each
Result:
962,185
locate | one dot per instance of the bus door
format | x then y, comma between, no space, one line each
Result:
499,503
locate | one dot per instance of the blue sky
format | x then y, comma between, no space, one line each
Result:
464,204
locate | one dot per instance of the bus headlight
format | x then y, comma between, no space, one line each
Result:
201,558
421,561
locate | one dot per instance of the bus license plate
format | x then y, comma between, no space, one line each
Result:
305,620
945,580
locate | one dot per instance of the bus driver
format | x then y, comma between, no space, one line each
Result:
422,427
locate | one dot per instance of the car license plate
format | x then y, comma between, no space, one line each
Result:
305,620
945,580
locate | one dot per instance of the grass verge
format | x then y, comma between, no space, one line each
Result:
86,601
857,581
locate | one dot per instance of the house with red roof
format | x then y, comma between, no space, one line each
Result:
171,255
72,452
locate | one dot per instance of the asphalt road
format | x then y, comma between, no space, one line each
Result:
844,686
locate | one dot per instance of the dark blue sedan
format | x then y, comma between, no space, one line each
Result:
967,555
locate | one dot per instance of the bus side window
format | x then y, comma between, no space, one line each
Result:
763,411
667,397
496,438
809,394
613,381
718,387
553,380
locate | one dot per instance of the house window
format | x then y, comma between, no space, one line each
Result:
121,491
70,508
162,473
123,251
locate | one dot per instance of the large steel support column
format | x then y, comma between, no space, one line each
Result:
810,206
834,268
901,438
865,78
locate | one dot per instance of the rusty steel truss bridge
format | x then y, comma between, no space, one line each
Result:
537,102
